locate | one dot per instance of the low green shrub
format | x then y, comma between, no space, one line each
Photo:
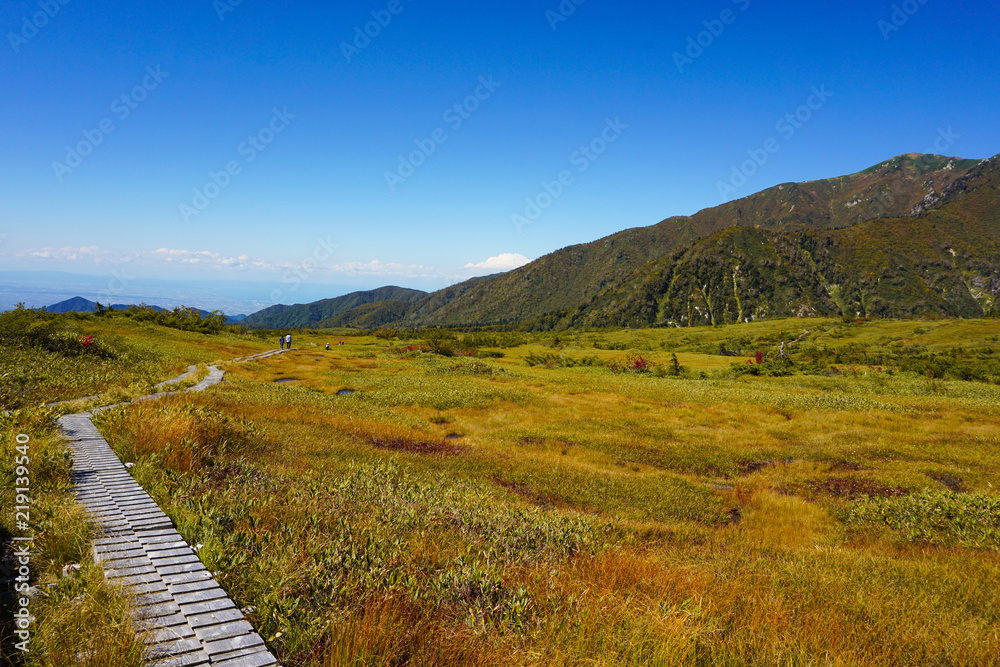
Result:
939,517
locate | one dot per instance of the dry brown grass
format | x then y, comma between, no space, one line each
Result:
782,581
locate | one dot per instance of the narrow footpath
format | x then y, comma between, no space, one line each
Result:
186,617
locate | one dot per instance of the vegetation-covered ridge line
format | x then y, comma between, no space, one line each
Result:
914,235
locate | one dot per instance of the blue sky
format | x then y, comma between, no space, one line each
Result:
574,121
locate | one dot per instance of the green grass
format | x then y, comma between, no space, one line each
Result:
43,357
936,517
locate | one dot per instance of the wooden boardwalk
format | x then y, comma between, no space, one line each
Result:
187,617
191,370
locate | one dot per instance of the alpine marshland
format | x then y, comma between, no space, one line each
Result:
516,417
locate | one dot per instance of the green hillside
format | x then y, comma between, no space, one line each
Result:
943,261
563,280
301,315
916,235
369,315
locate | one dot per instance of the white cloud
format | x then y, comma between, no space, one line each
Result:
67,253
162,256
305,269
503,262
380,268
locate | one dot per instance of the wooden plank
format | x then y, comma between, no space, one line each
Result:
144,538
151,598
192,574
200,596
128,572
214,618
172,648
231,644
182,631
189,587
155,611
138,579
140,589
128,559
185,660
209,607
165,546
222,630
172,621
186,568
159,532
262,659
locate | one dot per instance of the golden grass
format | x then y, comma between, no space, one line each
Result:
709,511
84,622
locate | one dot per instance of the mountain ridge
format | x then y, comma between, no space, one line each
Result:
565,278
79,304
798,254
941,260
281,316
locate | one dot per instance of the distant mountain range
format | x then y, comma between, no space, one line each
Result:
330,312
80,305
917,235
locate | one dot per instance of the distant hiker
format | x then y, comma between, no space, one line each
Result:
281,342
288,341
328,346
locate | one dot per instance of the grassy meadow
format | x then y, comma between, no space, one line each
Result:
628,497
45,358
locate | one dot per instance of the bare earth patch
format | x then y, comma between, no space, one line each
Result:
416,446
846,488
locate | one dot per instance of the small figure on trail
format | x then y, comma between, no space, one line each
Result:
328,346
288,341
281,342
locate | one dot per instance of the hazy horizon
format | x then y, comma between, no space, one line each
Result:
46,288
